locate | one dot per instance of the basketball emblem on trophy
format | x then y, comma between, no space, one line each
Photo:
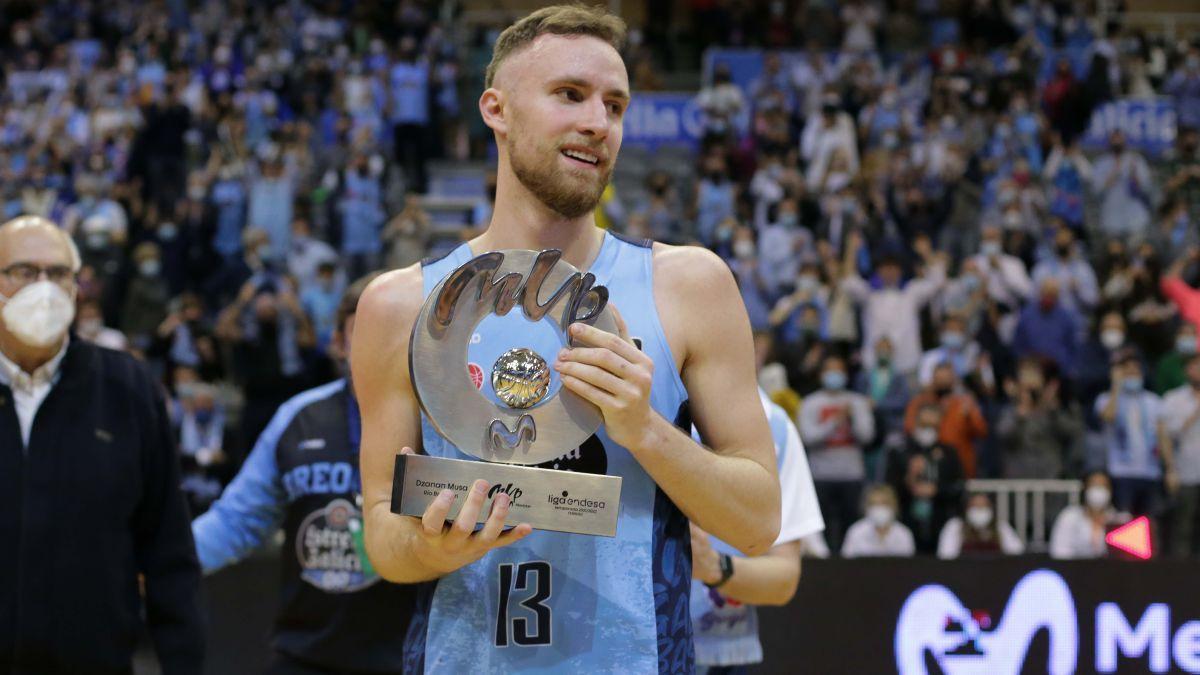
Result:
520,378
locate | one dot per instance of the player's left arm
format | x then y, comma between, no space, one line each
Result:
731,491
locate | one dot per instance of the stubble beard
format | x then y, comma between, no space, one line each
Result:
568,195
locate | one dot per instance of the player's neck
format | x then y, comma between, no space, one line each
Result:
522,221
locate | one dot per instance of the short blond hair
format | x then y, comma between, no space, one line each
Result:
576,19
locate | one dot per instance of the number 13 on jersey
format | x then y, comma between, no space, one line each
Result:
528,584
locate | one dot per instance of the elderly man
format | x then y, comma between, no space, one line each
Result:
89,484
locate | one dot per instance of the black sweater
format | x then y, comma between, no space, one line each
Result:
91,504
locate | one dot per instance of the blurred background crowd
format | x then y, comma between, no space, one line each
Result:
959,264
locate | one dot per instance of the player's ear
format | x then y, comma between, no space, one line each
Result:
491,108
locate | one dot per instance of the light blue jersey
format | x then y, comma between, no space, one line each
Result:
557,602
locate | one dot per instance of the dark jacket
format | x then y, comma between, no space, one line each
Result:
942,468
91,504
334,610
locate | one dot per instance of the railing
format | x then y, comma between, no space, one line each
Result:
1169,24
1022,503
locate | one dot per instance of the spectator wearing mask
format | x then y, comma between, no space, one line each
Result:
722,102
95,199
962,422
784,244
893,309
1037,428
1121,183
201,444
802,346
878,533
174,248
406,237
1079,530
185,338
409,111
927,476
836,424
809,291
1047,329
716,197
320,299
267,329
1176,230
146,299
887,390
1137,441
272,191
977,533
89,325
961,352
1181,408
102,245
1182,173
362,215
1094,362
1079,291
766,187
1170,371
336,614
1067,173
748,271
772,379
228,199
1004,275
661,212
255,259
89,485
1184,86
307,253
825,135
965,295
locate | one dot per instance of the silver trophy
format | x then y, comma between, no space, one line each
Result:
529,425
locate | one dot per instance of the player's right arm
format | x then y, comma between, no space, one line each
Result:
405,549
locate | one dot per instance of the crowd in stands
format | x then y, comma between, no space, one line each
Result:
945,282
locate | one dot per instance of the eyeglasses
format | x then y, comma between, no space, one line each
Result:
23,274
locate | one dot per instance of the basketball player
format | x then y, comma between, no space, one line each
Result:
516,600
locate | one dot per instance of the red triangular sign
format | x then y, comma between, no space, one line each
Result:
1132,537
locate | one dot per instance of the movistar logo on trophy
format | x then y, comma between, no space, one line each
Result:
529,423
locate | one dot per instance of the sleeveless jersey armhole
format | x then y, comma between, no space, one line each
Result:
659,333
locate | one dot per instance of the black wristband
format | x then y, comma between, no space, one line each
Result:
726,562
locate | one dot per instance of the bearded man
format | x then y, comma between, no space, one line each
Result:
512,600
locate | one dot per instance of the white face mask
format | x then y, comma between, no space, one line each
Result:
880,515
39,314
1112,338
979,517
150,267
744,249
925,436
1097,497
